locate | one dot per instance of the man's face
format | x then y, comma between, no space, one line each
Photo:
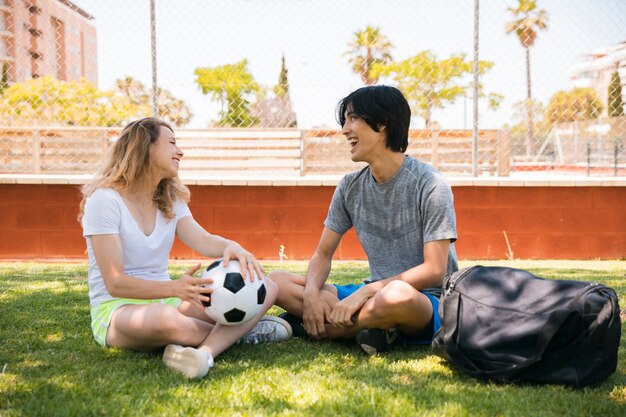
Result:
365,143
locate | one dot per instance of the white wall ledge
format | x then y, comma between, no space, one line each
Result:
333,180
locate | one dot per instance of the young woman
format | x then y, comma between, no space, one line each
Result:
130,213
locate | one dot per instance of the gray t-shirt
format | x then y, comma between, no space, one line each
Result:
394,220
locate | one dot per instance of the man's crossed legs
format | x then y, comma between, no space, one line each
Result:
397,309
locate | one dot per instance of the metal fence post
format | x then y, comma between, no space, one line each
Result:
588,158
153,47
36,152
434,147
475,87
302,161
616,152
104,143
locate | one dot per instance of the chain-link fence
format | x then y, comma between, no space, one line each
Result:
502,88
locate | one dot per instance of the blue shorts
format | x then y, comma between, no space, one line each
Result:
345,290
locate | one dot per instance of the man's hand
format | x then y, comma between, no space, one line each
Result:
344,310
315,313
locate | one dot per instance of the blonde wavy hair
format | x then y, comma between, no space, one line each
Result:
128,166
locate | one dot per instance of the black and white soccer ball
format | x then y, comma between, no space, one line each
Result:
233,300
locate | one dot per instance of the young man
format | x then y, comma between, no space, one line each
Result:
403,213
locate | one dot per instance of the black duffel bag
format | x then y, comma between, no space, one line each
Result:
507,325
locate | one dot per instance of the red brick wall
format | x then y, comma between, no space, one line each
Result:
39,221
541,222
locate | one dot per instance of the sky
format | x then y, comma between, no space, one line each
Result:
313,35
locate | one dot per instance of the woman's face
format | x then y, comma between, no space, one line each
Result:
165,155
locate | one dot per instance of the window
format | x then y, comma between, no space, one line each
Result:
59,48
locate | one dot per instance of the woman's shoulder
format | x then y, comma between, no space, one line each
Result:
103,203
180,208
104,195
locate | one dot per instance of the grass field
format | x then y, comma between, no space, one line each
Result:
50,365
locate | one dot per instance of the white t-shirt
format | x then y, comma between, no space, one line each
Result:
144,256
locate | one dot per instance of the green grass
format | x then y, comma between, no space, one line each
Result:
50,365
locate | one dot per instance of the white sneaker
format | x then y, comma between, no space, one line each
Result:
268,329
191,362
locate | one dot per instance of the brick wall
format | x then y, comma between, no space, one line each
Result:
586,222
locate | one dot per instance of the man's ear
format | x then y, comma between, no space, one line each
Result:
381,128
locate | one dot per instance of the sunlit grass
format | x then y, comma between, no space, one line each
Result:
50,365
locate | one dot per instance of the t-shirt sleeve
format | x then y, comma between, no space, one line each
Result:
102,214
181,210
438,217
338,219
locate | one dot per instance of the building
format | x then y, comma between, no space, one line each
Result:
46,37
275,112
596,68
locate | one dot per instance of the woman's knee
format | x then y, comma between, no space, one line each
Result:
285,282
272,290
279,277
171,323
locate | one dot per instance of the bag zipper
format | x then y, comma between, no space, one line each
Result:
453,282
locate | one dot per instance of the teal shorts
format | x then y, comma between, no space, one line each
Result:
101,314
426,337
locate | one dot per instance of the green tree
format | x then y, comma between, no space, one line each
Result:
46,101
576,104
282,88
367,48
231,85
169,108
615,103
527,21
134,89
4,78
430,83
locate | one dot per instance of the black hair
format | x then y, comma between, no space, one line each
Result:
380,105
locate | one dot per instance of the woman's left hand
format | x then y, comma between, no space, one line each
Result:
249,264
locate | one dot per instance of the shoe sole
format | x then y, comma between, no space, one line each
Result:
370,350
389,339
185,360
284,322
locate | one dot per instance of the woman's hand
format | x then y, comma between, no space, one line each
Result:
188,288
249,264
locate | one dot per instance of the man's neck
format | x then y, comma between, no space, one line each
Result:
386,166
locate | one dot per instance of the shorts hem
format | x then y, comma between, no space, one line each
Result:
102,313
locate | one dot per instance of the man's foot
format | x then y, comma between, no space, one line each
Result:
296,324
191,362
268,329
374,341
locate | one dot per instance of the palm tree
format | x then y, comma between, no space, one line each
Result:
528,20
367,48
134,89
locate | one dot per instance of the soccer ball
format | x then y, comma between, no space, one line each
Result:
233,300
